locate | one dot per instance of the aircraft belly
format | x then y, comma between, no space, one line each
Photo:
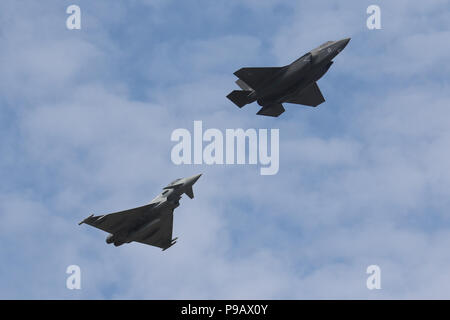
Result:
271,96
149,228
287,86
150,236
296,90
320,70
301,82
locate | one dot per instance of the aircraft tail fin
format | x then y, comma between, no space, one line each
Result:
239,97
243,85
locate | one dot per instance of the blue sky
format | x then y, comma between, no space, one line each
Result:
85,125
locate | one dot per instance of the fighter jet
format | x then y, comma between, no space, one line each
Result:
293,83
151,224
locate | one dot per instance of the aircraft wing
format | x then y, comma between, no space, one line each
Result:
310,96
113,222
163,238
255,77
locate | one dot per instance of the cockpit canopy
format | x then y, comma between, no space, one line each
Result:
174,184
323,45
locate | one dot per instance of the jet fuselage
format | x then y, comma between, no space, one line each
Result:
149,224
293,78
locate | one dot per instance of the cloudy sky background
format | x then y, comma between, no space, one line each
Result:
85,124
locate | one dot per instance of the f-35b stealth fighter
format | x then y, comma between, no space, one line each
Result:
294,83
151,224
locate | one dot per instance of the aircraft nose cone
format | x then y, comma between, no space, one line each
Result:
194,179
344,42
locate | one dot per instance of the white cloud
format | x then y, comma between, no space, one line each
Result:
373,193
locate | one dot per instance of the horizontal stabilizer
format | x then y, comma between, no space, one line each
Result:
272,110
239,97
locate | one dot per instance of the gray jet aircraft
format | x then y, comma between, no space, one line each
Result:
151,224
294,83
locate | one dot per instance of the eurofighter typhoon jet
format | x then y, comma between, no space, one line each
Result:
294,83
151,224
